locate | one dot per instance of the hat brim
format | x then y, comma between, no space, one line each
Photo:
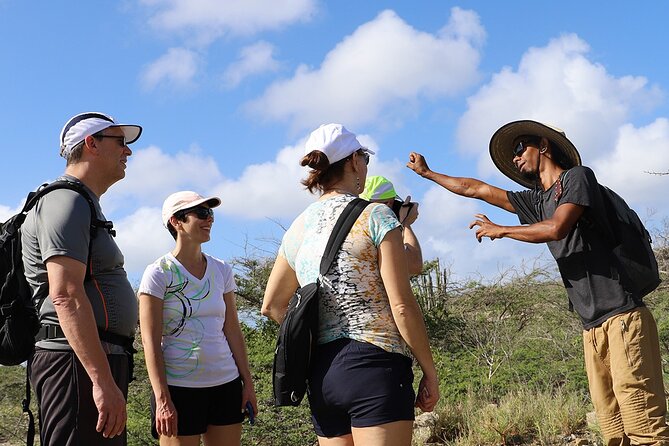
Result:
131,132
501,147
212,202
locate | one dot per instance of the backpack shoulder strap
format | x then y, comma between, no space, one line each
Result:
341,229
96,223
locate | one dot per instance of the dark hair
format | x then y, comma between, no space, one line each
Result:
180,215
558,156
75,154
173,232
323,174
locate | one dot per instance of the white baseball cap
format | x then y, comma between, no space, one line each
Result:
185,199
334,141
82,125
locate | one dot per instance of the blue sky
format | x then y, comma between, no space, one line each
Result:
228,91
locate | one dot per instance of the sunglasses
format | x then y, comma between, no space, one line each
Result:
120,139
200,212
364,156
524,144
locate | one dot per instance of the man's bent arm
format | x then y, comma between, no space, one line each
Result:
75,315
555,228
466,187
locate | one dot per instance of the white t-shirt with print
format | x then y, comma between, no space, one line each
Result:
195,349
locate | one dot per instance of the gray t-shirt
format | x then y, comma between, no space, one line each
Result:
59,225
584,256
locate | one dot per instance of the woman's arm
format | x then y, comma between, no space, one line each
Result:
281,286
235,337
151,327
407,315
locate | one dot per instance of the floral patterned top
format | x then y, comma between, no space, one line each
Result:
353,302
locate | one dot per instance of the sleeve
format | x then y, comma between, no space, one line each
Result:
524,203
382,220
228,277
578,185
63,222
291,241
154,281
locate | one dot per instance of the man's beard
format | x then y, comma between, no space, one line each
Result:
530,175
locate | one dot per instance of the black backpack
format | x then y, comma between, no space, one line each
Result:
19,321
299,329
630,245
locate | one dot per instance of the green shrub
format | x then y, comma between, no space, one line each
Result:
529,416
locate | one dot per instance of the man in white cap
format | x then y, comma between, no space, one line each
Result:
88,311
564,208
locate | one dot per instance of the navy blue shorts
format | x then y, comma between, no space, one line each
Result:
198,408
357,384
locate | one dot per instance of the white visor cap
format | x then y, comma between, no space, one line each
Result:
86,124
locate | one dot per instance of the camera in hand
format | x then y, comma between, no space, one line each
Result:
398,204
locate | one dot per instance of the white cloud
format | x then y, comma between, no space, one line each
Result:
254,59
142,239
560,85
6,212
153,174
176,68
385,62
626,168
556,84
269,189
443,231
209,19
273,189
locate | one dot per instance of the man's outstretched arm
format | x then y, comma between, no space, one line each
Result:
467,187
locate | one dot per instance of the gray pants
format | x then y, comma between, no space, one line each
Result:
67,413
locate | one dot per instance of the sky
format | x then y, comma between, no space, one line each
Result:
228,91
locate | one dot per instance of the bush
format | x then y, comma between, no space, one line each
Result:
530,416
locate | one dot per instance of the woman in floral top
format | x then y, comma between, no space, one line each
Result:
360,387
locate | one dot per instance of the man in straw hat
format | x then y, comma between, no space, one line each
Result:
622,353
380,190
82,362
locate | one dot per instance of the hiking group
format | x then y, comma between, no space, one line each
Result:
369,328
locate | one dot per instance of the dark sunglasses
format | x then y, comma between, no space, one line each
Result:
120,139
524,144
200,212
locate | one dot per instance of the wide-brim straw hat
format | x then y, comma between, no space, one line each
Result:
502,145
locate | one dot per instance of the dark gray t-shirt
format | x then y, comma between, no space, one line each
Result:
584,256
59,225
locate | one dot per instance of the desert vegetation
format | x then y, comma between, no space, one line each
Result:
509,356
